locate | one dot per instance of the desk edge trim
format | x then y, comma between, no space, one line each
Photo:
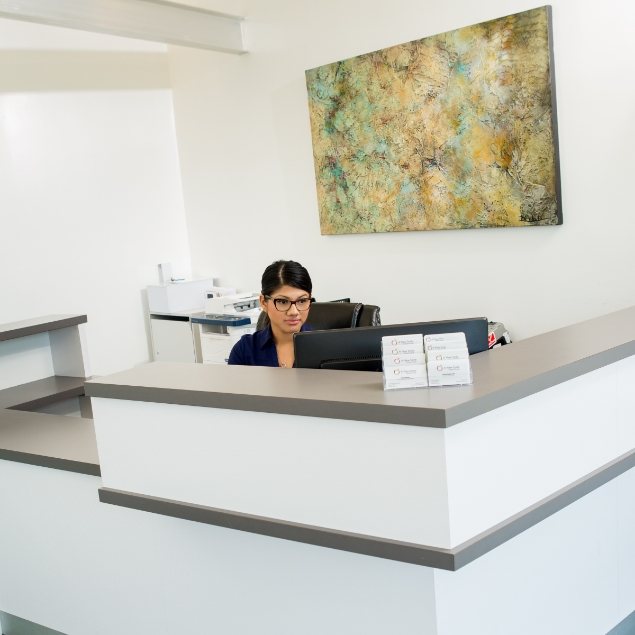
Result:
401,551
53,462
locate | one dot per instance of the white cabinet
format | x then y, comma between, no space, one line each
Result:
194,337
172,339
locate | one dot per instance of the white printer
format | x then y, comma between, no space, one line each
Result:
246,304
226,319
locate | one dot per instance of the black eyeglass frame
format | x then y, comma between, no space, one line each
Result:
291,302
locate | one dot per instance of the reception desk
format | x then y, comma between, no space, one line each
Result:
285,501
525,475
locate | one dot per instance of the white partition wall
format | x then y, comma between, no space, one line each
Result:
91,198
25,359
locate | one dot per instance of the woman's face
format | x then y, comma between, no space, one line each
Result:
290,320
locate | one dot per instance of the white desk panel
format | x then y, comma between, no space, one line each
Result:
363,477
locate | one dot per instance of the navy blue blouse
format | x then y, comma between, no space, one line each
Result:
257,349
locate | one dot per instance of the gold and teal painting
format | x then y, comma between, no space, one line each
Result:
451,131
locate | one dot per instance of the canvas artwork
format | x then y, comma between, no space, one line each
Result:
451,131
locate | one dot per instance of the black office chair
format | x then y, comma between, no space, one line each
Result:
335,315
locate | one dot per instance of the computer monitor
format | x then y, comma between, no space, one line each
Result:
360,348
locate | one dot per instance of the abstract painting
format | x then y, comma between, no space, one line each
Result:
452,131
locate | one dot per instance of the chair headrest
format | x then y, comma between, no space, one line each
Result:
334,315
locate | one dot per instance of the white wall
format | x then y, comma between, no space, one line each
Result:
247,168
90,195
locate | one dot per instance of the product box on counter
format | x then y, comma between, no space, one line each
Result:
405,377
449,373
417,361
450,355
447,359
444,342
403,362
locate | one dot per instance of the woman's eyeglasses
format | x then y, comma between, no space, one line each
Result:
283,304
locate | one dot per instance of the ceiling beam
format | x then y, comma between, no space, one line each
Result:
153,20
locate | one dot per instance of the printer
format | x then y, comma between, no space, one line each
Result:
246,304
225,320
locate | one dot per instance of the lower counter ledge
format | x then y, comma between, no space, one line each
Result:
413,553
54,462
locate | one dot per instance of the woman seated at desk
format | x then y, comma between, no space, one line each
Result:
286,299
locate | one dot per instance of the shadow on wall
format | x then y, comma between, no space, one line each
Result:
12,625
26,71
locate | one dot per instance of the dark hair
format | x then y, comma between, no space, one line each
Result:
285,272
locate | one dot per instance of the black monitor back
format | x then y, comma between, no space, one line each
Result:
360,348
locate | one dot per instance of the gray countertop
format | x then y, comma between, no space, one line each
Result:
41,392
501,375
65,443
13,330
